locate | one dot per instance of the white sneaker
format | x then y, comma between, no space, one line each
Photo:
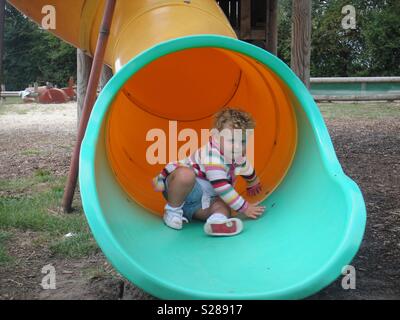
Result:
174,218
223,227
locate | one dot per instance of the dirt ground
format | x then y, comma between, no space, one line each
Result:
41,137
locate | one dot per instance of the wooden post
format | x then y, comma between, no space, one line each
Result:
2,91
106,75
245,19
271,26
90,99
2,17
301,40
36,91
225,8
84,65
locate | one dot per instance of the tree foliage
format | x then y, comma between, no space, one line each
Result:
32,54
372,49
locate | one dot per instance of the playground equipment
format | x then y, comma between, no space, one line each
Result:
48,94
181,60
356,88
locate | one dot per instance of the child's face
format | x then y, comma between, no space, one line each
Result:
233,143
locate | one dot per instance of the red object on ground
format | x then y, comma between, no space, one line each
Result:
53,95
47,94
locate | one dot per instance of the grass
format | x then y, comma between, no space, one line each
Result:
32,204
14,105
377,110
41,179
100,271
14,108
79,245
4,238
12,100
31,152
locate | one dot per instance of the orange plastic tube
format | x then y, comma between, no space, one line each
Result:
187,86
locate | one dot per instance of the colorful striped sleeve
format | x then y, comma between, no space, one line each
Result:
247,171
216,174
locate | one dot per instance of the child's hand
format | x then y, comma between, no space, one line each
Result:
253,211
255,188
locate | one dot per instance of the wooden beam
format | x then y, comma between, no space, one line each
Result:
245,19
356,80
84,65
370,97
225,8
271,27
36,91
301,40
254,35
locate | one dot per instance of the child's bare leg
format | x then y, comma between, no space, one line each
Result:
218,206
180,183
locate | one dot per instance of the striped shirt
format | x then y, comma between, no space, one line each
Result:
209,164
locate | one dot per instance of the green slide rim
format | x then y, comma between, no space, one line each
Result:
112,249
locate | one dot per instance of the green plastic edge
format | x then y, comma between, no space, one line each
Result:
116,255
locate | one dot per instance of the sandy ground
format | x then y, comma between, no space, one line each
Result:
41,137
37,137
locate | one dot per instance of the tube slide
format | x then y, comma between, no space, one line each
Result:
181,61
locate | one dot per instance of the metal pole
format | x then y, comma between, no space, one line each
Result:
90,99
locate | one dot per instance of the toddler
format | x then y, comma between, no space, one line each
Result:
202,188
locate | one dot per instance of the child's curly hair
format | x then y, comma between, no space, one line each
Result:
234,117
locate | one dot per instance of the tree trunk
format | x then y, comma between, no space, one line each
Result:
301,40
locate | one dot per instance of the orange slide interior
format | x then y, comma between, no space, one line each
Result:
189,87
